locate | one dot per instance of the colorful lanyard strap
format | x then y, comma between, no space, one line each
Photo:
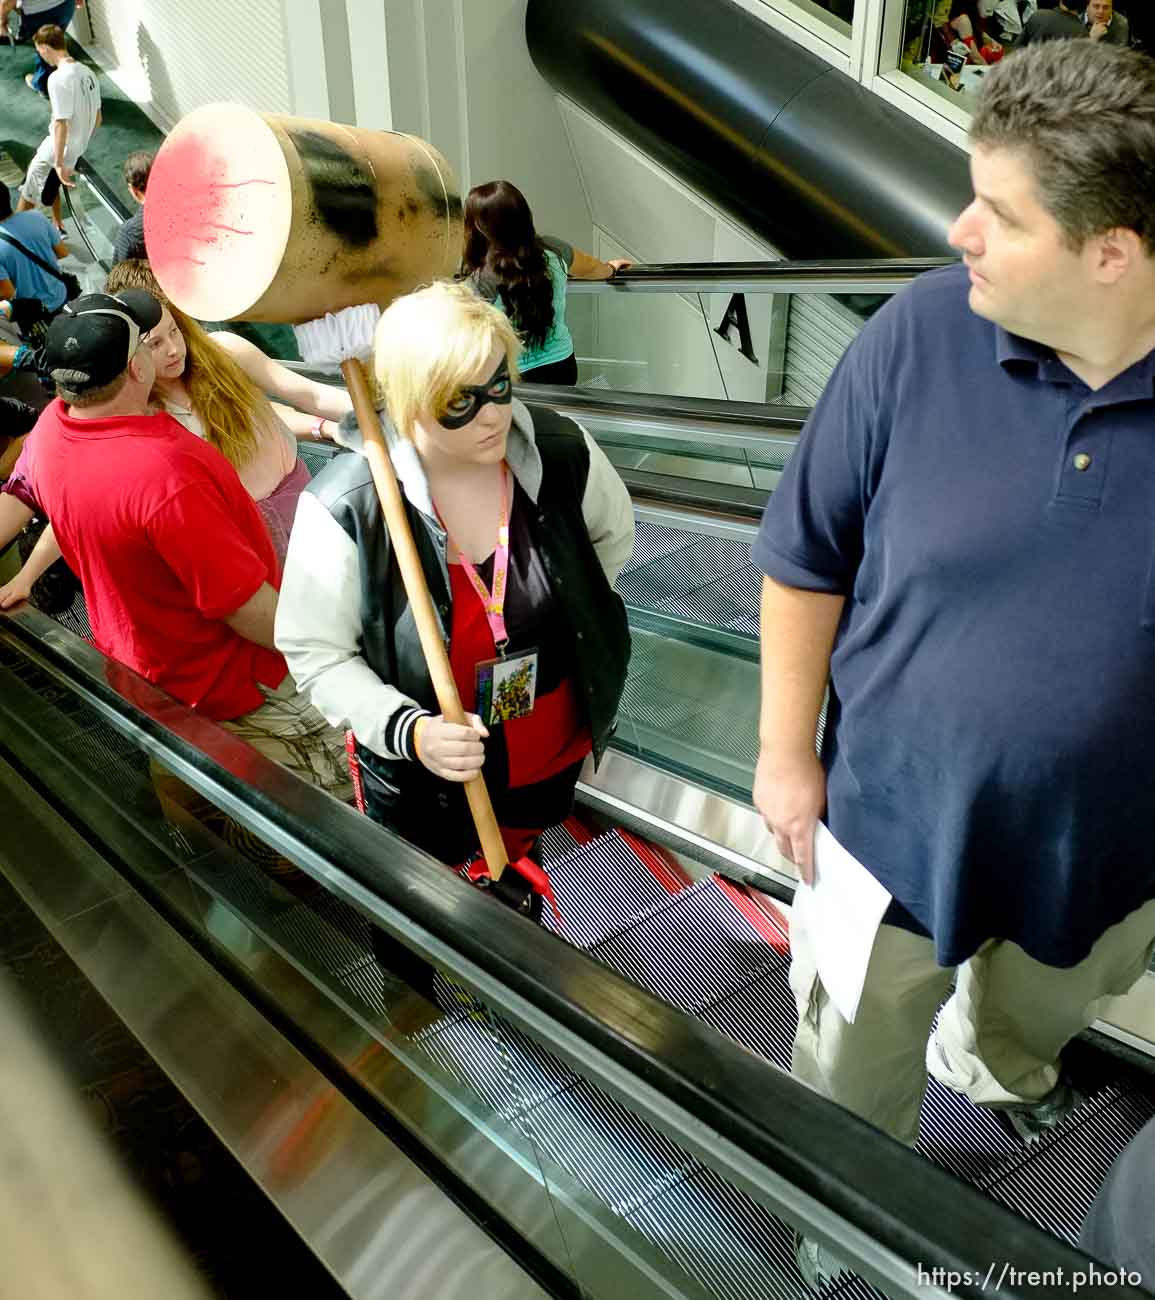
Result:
493,602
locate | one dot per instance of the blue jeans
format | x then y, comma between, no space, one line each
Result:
30,24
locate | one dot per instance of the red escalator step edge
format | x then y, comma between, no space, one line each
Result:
661,865
762,914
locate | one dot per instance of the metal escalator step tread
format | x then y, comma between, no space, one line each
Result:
1053,1181
769,918
699,561
690,949
511,1073
652,541
623,1161
965,1140
558,842
598,886
723,1239
759,1014
730,601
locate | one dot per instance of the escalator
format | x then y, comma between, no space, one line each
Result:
616,1141
600,1096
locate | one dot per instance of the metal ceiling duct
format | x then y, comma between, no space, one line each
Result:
794,150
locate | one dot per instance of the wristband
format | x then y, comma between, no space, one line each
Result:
317,427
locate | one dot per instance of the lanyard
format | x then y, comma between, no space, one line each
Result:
493,602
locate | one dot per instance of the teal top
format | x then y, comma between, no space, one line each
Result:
559,341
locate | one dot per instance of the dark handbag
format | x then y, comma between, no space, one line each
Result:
32,319
66,278
57,588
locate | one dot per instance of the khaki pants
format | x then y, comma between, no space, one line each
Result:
289,730
999,1036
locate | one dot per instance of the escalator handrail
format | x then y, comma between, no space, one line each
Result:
834,276
757,1126
757,421
705,414
103,191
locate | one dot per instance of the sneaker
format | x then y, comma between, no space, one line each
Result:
818,1264
1030,1123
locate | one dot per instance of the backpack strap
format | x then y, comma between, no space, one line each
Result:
31,256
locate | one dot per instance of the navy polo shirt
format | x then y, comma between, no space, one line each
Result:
990,749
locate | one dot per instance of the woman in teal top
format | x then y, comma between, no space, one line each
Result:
508,264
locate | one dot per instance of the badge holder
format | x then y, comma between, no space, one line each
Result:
506,687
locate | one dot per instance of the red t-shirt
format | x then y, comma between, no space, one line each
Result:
166,543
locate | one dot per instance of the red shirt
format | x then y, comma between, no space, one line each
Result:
166,543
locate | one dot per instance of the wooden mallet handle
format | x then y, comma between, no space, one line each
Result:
421,603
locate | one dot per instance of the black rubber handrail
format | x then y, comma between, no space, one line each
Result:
912,1208
702,412
846,276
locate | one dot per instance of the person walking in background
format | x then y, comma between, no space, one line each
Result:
74,94
216,385
35,14
508,264
130,237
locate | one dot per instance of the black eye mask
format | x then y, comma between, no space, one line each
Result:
496,389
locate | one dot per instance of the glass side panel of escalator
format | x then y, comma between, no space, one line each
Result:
751,346
619,1198
612,1201
755,463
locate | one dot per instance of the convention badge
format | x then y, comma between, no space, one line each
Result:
506,688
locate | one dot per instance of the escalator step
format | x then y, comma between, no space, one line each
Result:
510,1072
726,1241
759,1014
652,541
690,949
622,1160
968,1142
599,883
1054,1181
695,563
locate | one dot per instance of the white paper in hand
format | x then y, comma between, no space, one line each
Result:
843,910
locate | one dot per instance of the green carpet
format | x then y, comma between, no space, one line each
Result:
124,129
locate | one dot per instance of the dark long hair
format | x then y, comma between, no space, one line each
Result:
500,239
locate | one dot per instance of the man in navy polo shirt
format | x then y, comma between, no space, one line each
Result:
964,546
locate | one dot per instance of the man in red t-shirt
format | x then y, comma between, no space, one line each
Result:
179,573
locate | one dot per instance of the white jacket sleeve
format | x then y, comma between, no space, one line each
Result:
608,512
318,629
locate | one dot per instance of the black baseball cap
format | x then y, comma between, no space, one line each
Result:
95,336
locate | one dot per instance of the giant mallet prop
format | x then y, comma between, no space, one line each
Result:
262,217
